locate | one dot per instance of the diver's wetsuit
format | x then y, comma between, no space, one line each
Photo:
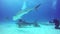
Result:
56,23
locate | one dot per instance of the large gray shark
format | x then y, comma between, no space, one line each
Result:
21,13
24,11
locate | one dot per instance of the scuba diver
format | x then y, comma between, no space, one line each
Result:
22,23
56,23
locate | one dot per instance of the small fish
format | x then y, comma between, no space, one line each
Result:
37,6
6,18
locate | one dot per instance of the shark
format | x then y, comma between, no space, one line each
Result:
24,11
21,13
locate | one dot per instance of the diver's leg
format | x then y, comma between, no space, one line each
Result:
57,26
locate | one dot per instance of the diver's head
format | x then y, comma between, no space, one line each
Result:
20,20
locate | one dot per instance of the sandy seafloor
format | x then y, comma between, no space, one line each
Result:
12,28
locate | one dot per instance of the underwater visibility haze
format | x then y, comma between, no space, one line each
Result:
29,16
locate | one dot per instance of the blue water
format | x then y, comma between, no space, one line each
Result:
47,10
13,10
